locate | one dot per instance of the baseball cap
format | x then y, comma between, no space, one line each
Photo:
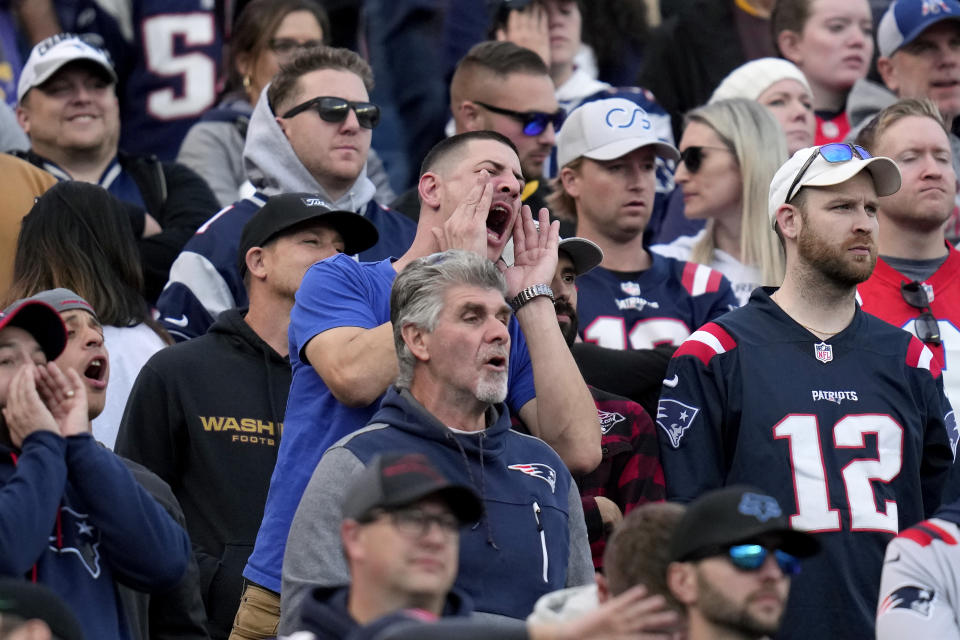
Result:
41,321
398,479
904,20
823,173
62,299
281,212
584,254
49,55
608,129
734,515
751,79
31,601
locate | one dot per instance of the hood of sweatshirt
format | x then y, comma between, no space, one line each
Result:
401,410
273,167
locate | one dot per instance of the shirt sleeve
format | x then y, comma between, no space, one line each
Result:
580,562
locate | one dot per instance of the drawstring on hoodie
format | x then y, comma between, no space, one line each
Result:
483,495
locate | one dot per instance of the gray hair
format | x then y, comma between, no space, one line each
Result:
419,290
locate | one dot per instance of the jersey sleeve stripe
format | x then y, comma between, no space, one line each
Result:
698,279
709,340
937,533
689,271
919,356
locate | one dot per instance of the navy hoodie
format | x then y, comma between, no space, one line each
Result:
73,519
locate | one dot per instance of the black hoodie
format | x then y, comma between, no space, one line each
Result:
206,416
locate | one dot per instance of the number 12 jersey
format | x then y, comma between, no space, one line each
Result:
852,435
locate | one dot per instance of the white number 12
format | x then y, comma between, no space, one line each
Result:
810,478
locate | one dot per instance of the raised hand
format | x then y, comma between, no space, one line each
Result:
25,412
529,27
534,252
65,396
466,228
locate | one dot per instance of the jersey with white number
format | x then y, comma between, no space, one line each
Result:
920,584
880,295
850,435
643,309
167,55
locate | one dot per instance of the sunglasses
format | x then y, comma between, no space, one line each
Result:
333,109
693,157
534,122
927,327
750,557
833,152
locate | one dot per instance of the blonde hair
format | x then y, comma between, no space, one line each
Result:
755,137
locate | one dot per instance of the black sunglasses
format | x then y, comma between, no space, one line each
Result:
927,327
693,157
534,122
833,152
333,109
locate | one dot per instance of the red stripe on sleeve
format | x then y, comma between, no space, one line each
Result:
689,273
713,282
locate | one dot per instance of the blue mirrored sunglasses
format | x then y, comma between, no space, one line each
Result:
833,152
534,122
750,557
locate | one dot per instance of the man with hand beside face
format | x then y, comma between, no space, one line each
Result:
341,340
837,414
74,517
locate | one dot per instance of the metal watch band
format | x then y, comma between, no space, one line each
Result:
531,292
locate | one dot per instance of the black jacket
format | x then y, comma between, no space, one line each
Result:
206,416
179,200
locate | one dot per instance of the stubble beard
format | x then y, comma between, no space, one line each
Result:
833,262
715,607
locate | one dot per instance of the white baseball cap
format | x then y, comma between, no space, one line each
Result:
49,55
824,173
608,129
584,253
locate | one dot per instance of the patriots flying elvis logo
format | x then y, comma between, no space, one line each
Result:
79,537
538,470
918,600
675,418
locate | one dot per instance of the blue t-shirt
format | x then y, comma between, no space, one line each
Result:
336,292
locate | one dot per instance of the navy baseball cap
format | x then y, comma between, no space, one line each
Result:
395,480
904,20
735,515
41,321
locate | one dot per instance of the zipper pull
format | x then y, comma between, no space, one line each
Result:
536,514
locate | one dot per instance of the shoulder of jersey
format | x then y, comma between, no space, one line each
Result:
919,356
698,279
926,532
706,342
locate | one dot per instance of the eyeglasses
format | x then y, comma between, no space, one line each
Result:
693,157
534,122
927,327
833,152
416,523
750,557
286,47
333,109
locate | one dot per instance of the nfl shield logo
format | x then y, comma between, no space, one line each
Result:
823,351
630,288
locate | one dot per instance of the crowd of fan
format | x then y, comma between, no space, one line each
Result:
608,365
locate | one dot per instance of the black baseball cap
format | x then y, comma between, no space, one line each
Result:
287,210
394,480
584,254
735,515
31,601
41,321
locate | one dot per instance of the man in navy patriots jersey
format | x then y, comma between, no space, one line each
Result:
837,414
635,299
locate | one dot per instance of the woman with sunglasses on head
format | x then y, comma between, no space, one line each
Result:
266,34
728,153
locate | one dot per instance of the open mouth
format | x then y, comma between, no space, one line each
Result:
945,84
96,370
498,362
498,218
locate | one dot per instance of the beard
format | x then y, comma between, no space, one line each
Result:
834,262
567,329
491,386
722,612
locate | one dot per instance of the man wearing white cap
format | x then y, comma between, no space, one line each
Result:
837,414
67,105
607,152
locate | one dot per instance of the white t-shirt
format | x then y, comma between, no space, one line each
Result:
744,278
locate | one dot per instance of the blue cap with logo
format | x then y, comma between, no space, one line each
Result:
904,20
735,515
608,129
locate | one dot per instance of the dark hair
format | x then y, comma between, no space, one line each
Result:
502,57
257,24
612,27
79,237
447,147
788,15
638,552
284,84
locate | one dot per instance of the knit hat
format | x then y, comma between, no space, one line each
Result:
753,78
64,300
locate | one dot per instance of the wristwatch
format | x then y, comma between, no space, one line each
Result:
528,294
